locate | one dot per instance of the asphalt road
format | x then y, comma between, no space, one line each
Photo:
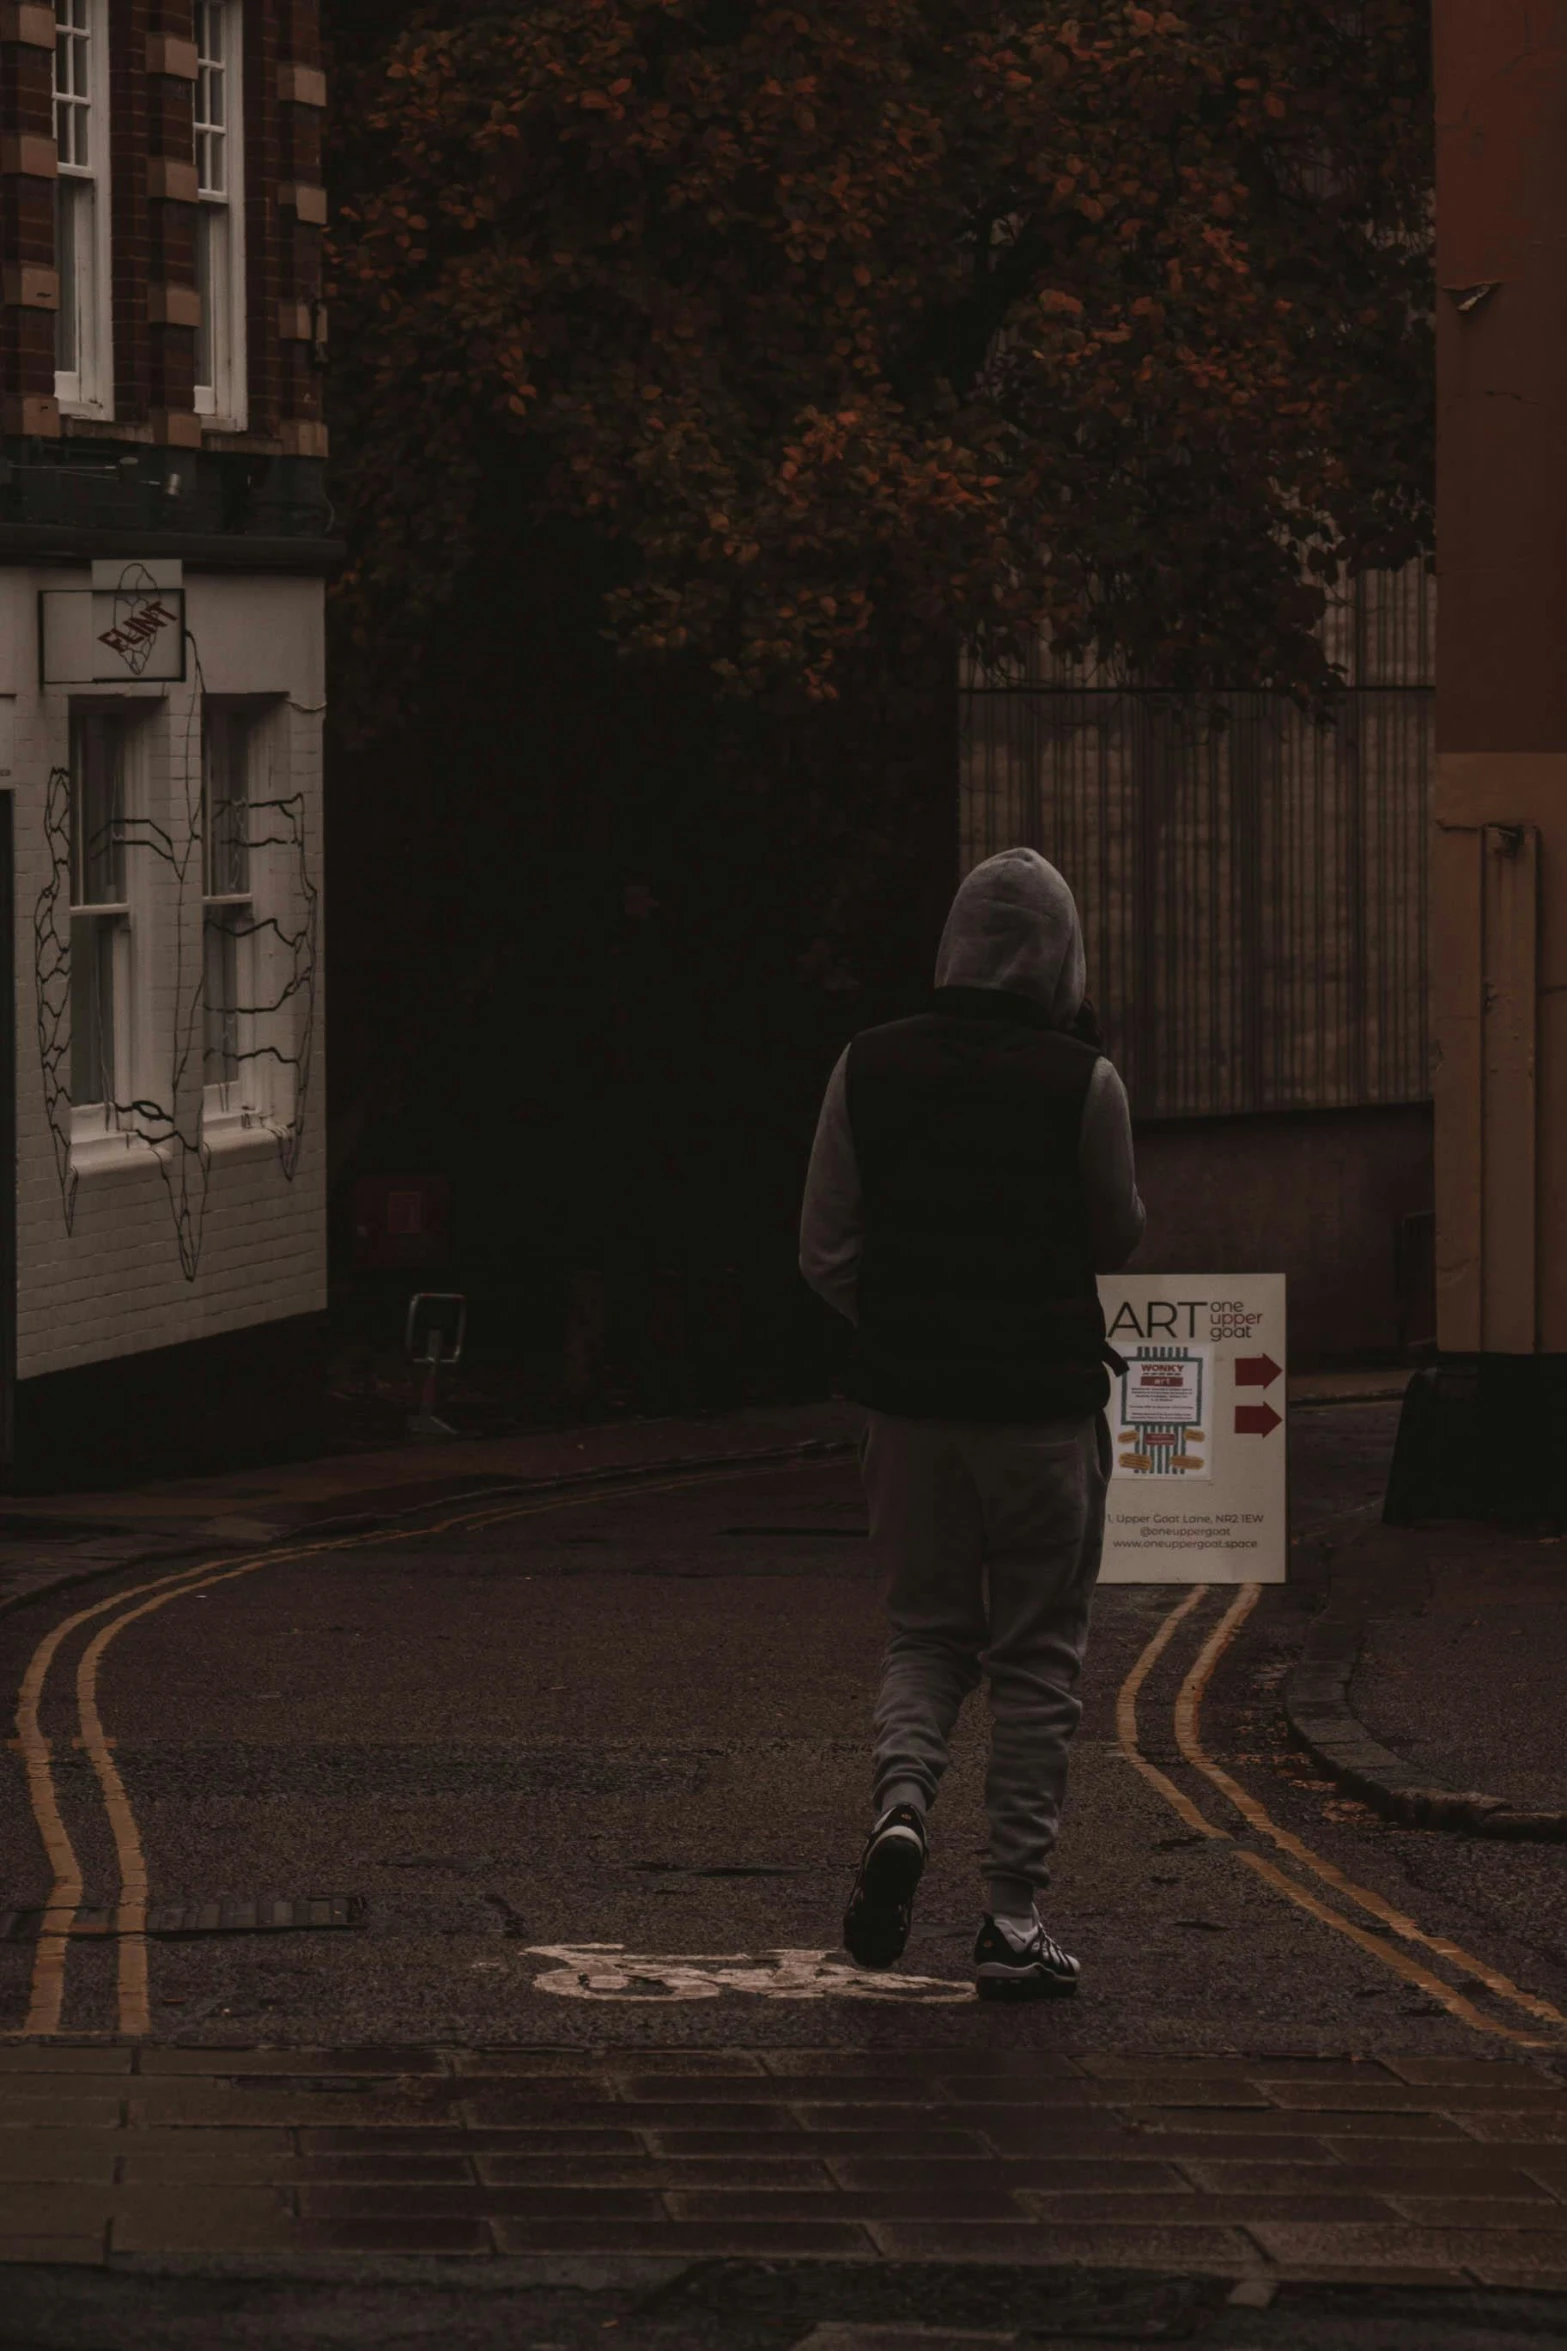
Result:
640,1723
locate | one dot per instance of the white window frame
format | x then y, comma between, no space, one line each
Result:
220,225
105,922
85,270
237,1107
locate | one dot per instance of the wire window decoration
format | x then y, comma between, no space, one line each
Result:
1253,881
272,1024
228,913
100,911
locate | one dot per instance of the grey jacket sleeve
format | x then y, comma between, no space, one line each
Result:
832,1220
1104,1160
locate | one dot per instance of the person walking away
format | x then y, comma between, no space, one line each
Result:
972,1172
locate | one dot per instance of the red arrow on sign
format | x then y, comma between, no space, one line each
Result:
1256,1371
1255,1420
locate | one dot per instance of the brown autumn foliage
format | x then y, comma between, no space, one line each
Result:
976,317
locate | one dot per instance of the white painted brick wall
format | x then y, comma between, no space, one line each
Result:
113,1285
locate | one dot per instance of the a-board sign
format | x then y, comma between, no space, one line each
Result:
1198,1491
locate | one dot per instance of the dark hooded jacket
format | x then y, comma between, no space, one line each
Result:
950,1187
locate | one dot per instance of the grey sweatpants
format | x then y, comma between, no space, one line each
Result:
988,1537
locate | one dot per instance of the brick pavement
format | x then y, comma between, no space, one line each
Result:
1423,2171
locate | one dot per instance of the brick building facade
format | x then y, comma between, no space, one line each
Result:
164,537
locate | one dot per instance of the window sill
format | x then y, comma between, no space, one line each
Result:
235,1135
100,1154
230,1134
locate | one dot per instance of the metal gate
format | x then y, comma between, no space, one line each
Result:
1252,879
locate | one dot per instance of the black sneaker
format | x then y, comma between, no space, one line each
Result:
876,1923
1010,1965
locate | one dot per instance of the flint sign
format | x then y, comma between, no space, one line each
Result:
1198,1492
127,629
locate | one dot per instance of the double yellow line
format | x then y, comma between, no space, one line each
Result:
1395,1954
1395,1946
46,2005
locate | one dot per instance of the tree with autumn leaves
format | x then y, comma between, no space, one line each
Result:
705,373
839,317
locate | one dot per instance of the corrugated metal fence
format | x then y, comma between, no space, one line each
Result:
1252,882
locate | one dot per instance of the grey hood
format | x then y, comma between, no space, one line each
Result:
1014,925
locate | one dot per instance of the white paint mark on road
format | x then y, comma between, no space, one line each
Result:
608,1971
